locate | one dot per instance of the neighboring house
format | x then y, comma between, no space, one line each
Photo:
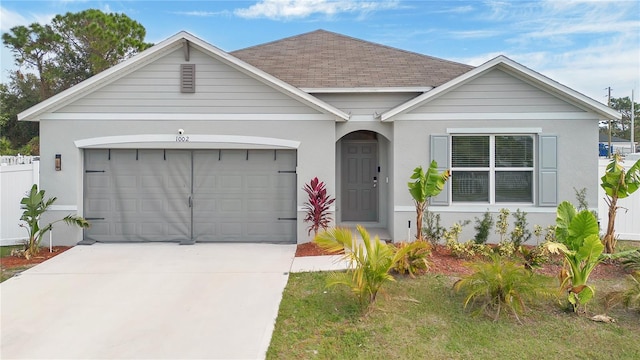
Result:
620,145
186,142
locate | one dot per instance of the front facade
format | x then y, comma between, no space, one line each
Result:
187,143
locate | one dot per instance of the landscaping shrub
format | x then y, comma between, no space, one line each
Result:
432,229
416,258
371,261
502,284
317,207
483,227
520,233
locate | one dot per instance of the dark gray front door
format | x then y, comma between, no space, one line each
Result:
190,195
359,181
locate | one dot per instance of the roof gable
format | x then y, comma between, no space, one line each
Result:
323,59
515,69
165,47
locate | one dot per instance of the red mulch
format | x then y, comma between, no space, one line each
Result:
9,262
442,262
311,249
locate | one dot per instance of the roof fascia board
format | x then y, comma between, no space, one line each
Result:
113,73
514,68
356,90
267,78
170,44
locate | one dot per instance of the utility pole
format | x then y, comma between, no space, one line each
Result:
633,129
609,105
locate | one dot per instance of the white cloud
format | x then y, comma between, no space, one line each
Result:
292,9
456,10
588,70
202,13
9,19
474,34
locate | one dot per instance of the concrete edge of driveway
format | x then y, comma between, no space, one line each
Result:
319,263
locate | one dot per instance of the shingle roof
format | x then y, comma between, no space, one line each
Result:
323,59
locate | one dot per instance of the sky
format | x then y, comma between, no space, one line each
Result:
587,45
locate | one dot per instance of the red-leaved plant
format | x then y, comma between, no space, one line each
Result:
317,207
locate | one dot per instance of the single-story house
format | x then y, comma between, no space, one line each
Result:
186,142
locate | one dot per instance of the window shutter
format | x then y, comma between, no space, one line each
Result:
440,153
548,171
188,78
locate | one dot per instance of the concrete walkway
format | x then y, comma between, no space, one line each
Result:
151,301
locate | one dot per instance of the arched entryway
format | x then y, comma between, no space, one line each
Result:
362,179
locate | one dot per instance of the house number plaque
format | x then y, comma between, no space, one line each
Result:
182,138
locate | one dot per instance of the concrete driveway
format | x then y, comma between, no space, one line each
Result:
146,301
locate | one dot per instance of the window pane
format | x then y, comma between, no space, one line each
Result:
514,186
470,186
514,151
470,151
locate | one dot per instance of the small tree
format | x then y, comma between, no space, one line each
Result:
317,207
34,206
370,261
578,241
617,184
425,186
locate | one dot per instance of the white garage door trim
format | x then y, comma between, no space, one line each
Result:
173,140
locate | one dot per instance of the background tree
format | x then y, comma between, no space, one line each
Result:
621,128
20,93
74,47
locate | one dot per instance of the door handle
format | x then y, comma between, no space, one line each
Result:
190,201
375,181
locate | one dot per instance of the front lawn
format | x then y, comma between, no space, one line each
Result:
424,319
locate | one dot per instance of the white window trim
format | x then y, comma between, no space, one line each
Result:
492,133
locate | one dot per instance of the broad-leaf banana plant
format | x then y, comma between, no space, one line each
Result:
617,184
424,186
578,241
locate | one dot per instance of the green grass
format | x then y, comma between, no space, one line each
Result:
6,250
623,245
424,319
9,273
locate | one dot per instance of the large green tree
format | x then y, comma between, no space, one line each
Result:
622,128
54,57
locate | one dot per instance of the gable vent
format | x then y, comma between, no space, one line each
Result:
188,78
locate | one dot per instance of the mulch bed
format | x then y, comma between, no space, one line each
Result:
442,262
10,262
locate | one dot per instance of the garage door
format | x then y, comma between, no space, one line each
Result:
190,195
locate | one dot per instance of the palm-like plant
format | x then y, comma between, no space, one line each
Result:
631,296
317,207
631,262
371,261
415,260
426,185
502,284
34,206
617,184
579,243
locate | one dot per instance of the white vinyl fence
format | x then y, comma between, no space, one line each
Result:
628,217
17,175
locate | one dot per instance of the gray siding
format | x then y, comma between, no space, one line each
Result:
366,104
576,166
220,89
496,92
